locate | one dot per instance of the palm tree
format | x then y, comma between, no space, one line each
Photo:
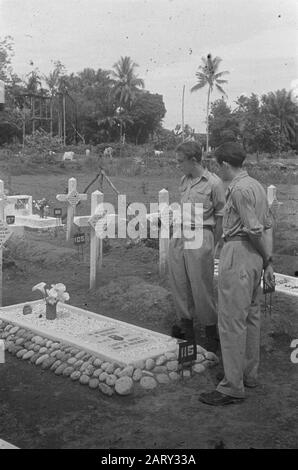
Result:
208,75
280,105
127,84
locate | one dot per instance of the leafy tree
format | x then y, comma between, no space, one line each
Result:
146,114
279,105
126,85
223,124
208,75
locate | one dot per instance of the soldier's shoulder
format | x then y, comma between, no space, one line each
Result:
214,179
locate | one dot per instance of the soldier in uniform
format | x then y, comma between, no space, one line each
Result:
247,251
191,270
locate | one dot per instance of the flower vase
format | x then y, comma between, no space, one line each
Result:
51,311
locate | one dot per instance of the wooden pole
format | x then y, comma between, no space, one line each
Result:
164,236
183,92
95,242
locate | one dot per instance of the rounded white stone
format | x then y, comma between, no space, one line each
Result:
124,385
37,339
171,355
49,343
71,361
148,383
111,380
211,357
75,375
41,359
28,355
159,369
103,376
84,379
93,383
14,330
127,371
137,375
43,350
161,360
172,365
174,376
148,373
186,374
104,388
21,353
97,372
97,362
162,378
150,363
198,368
139,364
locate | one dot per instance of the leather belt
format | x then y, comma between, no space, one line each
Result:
236,238
205,227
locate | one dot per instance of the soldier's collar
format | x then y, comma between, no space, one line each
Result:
204,175
241,174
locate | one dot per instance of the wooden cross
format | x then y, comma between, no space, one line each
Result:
95,242
73,198
5,232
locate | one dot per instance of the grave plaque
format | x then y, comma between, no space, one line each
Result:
10,219
79,239
187,352
57,212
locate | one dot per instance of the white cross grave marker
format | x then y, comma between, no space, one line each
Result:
95,242
73,198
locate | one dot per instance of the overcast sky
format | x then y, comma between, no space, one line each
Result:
257,40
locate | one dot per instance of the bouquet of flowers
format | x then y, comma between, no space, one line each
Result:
57,293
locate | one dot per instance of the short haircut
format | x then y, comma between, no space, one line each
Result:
190,150
232,153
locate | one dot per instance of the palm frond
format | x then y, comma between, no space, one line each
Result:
220,89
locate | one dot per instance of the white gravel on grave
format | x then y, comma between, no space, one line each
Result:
86,331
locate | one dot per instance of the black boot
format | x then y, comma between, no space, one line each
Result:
188,330
212,338
177,332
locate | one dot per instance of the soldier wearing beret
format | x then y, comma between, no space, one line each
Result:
247,251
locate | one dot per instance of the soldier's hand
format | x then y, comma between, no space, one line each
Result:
269,276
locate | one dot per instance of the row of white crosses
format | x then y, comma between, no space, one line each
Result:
72,198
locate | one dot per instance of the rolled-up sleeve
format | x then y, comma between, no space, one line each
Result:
219,199
243,202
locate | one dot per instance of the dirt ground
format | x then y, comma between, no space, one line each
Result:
40,410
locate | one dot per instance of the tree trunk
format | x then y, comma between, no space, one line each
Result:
51,117
207,120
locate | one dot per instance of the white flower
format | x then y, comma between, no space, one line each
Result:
40,287
51,300
52,293
66,296
59,287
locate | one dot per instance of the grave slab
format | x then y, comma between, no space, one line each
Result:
35,221
104,337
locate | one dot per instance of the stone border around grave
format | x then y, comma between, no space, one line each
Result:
87,369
